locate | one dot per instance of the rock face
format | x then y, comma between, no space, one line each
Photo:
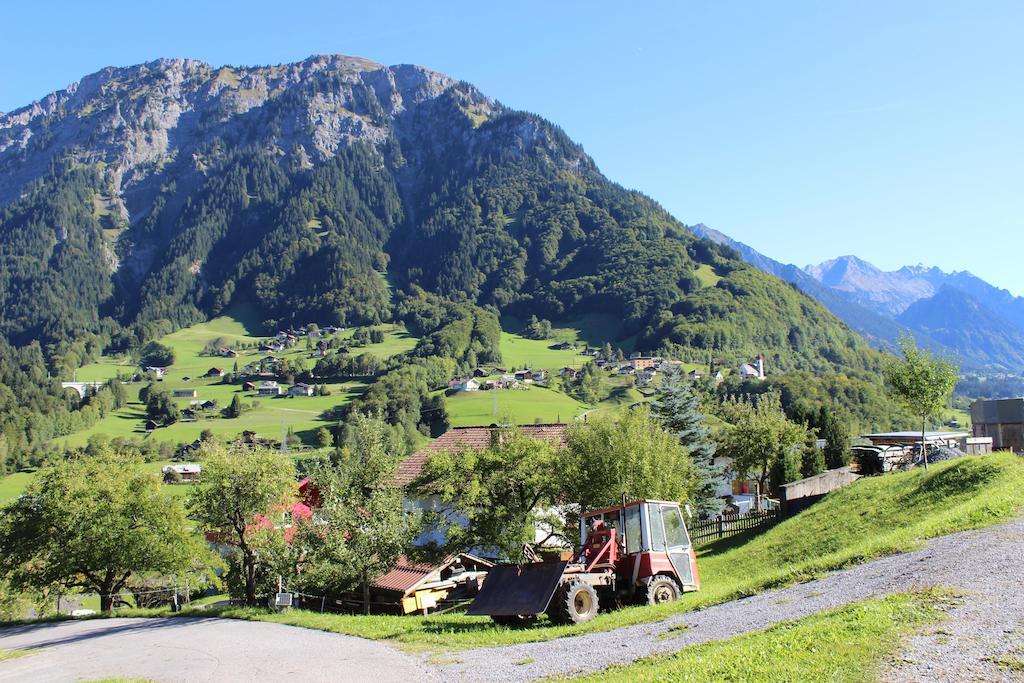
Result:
137,120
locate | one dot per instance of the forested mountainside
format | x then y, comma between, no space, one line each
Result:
335,190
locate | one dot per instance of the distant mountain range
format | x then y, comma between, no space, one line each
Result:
956,313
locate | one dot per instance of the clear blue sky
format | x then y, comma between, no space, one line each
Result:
892,130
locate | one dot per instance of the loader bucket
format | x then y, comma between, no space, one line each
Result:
518,589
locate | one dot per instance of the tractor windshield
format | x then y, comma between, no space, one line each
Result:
634,539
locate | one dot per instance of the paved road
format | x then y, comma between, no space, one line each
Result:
988,564
184,649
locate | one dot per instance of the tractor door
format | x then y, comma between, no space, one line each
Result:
677,543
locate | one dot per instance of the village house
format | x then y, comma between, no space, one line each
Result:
151,425
188,415
480,372
627,370
208,404
638,361
561,346
270,389
463,384
184,393
695,375
181,472
214,372
569,373
644,378
157,372
753,371
456,439
300,389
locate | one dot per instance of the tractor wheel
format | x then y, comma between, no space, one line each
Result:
514,620
660,589
576,602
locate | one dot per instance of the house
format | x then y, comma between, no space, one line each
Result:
644,379
601,362
269,389
1001,420
695,375
229,353
480,372
186,379
248,386
627,370
459,385
642,362
718,377
181,472
456,439
590,351
208,404
561,346
569,373
188,415
157,372
300,389
524,375
754,370
184,393
151,425
214,372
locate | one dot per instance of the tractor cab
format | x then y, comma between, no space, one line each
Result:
638,552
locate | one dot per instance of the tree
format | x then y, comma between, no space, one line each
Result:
491,498
93,522
239,488
160,408
361,528
922,382
836,434
154,354
763,439
678,410
324,438
633,455
812,458
235,408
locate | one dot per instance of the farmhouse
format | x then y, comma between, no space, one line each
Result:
248,386
638,361
184,393
157,372
1001,420
463,384
569,373
151,425
695,375
214,372
180,472
300,389
269,389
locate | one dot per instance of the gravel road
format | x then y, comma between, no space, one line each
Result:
989,564
987,627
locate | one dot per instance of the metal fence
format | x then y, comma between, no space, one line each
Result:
724,526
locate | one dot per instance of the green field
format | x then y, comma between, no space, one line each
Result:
272,416
521,406
707,275
12,485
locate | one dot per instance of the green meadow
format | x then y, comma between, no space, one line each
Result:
521,406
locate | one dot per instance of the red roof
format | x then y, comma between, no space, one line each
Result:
478,438
406,575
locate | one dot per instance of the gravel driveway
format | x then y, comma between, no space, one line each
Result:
989,625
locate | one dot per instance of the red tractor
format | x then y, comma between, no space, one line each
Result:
637,553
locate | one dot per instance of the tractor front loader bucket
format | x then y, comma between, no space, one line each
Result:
518,589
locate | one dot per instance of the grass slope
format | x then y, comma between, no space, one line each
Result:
873,517
847,644
521,406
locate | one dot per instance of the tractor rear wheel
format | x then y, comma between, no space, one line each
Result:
576,602
514,620
660,589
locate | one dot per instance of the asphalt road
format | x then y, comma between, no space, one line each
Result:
183,649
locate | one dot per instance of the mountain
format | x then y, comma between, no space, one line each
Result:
956,319
877,328
958,313
146,198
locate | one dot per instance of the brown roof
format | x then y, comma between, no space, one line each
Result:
478,438
406,575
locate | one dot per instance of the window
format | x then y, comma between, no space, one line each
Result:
657,530
675,531
632,529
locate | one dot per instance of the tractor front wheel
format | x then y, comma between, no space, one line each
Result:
660,589
576,602
514,620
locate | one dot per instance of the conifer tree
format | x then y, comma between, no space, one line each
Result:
837,438
678,407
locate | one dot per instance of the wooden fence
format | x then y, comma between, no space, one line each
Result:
724,526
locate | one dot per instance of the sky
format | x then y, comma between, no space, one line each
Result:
807,129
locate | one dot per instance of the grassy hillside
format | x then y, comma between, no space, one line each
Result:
522,406
873,517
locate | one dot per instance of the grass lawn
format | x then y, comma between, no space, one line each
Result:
847,644
522,406
12,485
520,352
707,275
873,517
